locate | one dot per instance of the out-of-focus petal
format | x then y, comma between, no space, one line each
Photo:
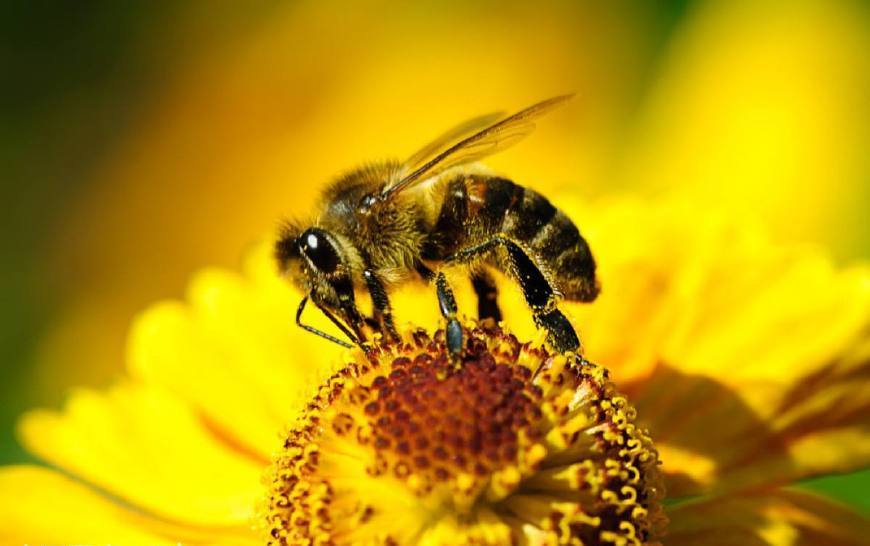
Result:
783,518
747,360
144,446
761,107
233,351
41,506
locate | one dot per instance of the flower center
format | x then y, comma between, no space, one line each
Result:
512,445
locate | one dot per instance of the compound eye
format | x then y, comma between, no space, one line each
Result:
319,250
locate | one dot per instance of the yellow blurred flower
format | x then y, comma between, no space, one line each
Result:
746,361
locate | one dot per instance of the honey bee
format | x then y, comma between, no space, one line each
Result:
394,222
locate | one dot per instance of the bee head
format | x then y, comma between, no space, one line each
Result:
311,258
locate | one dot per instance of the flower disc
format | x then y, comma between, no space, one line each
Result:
509,445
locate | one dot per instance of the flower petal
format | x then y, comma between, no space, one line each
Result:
233,352
783,518
41,506
745,359
141,444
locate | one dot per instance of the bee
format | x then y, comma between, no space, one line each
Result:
394,222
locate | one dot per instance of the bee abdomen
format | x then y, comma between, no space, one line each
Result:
550,235
528,216
566,254
477,208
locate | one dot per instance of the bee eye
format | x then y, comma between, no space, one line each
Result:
319,250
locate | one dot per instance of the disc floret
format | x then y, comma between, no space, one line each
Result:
510,445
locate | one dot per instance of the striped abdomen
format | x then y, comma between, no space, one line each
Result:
477,207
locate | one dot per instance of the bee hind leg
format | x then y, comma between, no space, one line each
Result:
538,292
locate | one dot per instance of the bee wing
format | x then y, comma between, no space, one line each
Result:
490,140
443,142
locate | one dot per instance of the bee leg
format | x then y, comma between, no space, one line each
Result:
321,333
383,310
447,303
537,291
487,294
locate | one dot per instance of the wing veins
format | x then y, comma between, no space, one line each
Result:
490,140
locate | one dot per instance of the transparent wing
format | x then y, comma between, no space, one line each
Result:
490,140
449,138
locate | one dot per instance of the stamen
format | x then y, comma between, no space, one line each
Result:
513,445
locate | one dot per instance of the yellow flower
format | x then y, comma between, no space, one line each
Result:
511,445
742,367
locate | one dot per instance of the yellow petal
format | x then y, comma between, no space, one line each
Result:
40,506
775,395
744,358
783,518
142,445
234,353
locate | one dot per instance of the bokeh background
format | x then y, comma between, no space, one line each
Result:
142,140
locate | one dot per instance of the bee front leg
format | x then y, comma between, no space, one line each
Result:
447,303
381,301
347,308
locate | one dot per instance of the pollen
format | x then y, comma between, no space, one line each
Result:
511,444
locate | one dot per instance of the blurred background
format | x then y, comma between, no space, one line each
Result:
142,140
